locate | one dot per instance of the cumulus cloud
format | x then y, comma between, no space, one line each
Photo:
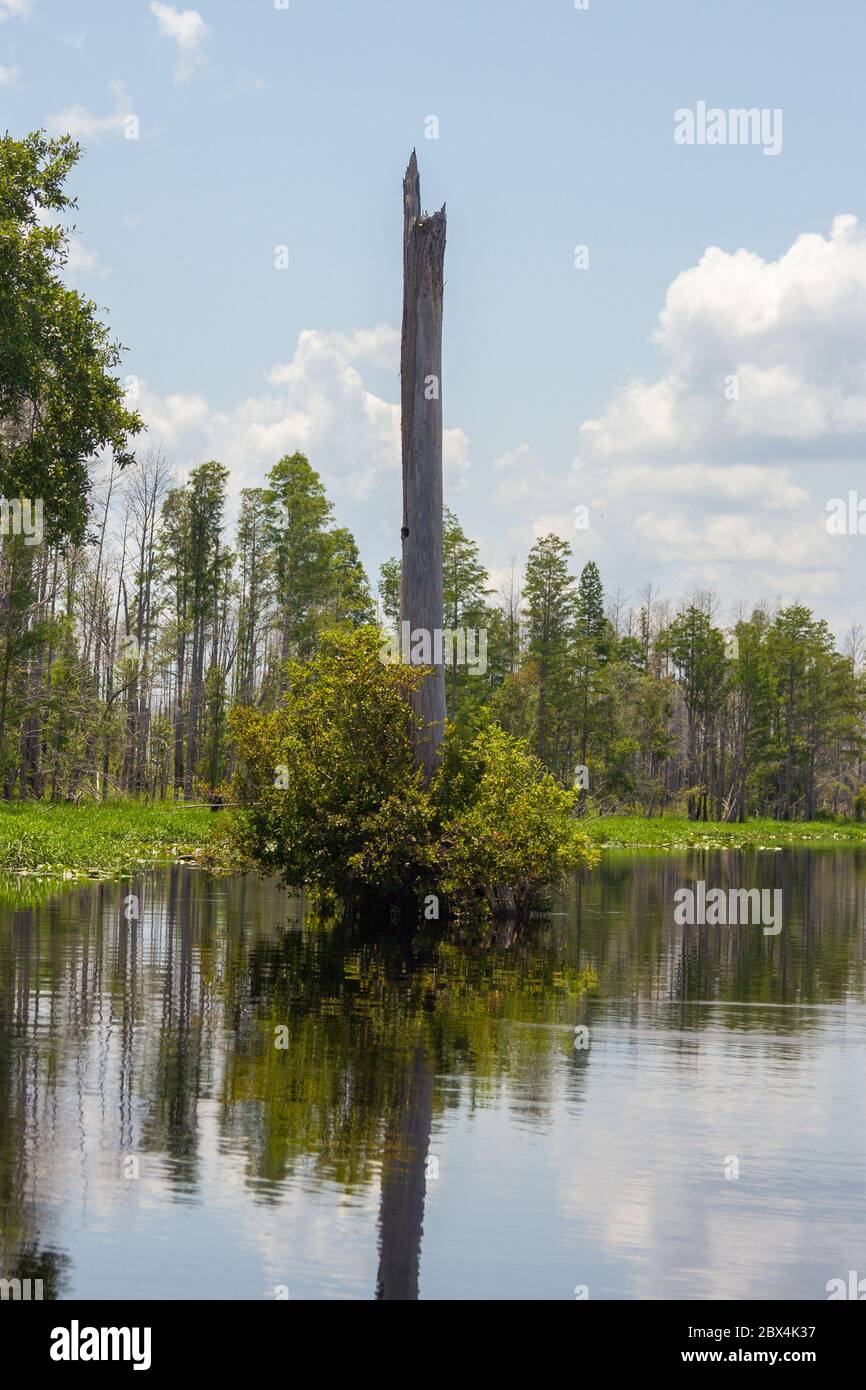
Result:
709,548
763,359
317,403
8,77
684,479
746,530
188,31
82,263
82,124
772,487
14,9
718,468
522,482
749,529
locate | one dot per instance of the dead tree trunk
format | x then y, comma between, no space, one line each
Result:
421,588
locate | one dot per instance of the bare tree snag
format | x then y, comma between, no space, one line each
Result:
421,590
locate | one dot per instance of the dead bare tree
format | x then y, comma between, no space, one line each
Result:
421,588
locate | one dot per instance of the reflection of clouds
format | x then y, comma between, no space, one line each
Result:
171,1240
641,1167
167,1233
318,1241
555,1168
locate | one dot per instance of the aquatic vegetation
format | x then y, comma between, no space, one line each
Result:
68,841
676,832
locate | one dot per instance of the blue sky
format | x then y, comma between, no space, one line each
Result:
261,127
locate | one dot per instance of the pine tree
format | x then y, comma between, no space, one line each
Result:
550,607
298,516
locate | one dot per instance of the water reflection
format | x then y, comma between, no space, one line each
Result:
228,1098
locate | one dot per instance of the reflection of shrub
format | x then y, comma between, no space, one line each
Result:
332,800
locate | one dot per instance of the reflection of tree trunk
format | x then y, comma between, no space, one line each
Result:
403,1185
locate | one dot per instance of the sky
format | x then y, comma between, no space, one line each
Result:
665,330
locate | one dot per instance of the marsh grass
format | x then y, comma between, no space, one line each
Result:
43,844
98,840
674,832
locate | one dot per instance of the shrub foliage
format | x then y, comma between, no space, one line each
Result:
331,799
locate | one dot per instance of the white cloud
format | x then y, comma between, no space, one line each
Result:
749,529
521,457
79,122
764,359
248,84
715,544
769,487
319,405
8,77
719,467
187,29
14,9
82,263
539,502
524,480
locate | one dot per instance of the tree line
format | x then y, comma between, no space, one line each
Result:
121,655
136,622
650,708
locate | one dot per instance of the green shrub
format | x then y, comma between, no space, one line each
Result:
508,829
333,801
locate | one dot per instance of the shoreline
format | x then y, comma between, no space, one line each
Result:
62,842
91,841
669,833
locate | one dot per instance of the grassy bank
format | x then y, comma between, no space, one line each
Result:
94,840
673,832
97,839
